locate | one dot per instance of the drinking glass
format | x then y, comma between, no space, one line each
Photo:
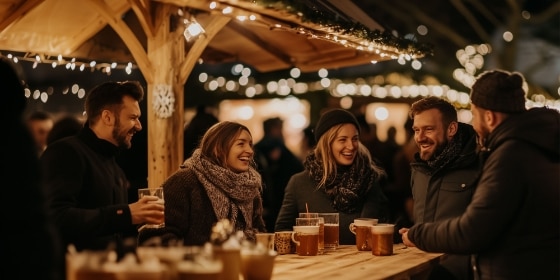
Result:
321,229
331,237
156,192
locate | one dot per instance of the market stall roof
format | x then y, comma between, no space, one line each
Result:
267,35
148,34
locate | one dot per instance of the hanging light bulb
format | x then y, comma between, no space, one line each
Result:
193,29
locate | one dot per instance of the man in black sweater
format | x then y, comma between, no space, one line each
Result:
86,187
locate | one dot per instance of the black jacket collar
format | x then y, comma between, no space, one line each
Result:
101,146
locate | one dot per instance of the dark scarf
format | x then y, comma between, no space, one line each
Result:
451,151
348,187
229,192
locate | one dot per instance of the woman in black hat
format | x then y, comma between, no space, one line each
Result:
340,176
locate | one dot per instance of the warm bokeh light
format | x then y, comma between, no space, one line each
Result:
386,115
422,29
508,36
252,113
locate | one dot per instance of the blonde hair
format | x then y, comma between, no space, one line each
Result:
325,156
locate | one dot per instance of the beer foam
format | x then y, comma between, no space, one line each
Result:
307,229
364,222
383,228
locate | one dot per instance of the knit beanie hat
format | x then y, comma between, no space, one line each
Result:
499,91
332,118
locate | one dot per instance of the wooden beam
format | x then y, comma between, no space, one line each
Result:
215,24
18,12
89,31
471,19
546,14
261,43
128,37
142,9
404,11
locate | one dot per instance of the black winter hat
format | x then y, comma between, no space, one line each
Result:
332,118
499,91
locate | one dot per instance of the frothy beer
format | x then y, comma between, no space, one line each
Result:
382,239
306,239
361,227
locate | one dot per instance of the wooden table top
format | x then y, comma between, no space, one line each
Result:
348,263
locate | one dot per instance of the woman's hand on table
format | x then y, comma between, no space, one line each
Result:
404,235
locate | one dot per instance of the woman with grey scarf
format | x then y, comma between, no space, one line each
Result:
217,182
340,176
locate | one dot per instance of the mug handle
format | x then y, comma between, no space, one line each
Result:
352,228
293,239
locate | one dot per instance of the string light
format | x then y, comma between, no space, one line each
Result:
391,86
69,63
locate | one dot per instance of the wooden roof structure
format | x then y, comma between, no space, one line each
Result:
267,35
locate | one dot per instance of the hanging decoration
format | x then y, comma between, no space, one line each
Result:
163,101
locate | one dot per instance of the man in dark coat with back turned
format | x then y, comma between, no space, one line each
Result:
511,227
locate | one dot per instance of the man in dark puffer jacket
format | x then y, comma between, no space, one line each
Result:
444,172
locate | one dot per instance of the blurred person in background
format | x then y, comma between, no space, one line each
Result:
340,176
276,164
86,187
511,228
307,142
219,181
40,124
400,188
30,246
196,128
64,127
444,172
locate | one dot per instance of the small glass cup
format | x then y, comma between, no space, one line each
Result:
156,192
283,242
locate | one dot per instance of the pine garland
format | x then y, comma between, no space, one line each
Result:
309,11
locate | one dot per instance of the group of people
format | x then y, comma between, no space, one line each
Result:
494,211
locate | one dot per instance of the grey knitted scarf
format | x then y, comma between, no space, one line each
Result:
231,193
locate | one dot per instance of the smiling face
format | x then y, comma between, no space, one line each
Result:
345,144
241,152
127,123
430,135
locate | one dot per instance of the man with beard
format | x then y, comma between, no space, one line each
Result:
443,172
86,187
511,227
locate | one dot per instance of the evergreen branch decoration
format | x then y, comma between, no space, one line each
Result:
310,12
